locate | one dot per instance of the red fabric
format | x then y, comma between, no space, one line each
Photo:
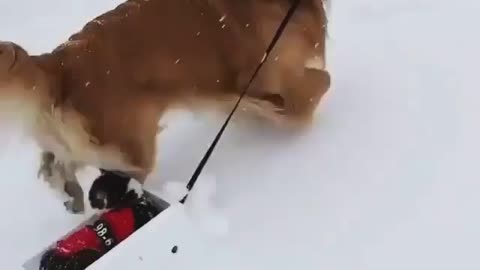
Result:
85,238
121,222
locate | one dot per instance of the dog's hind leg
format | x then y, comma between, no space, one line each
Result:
287,93
287,89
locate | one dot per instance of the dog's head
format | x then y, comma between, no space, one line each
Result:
17,70
22,79
110,190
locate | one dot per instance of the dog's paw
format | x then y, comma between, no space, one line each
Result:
47,160
111,190
74,206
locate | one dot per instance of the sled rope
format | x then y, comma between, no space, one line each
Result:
212,146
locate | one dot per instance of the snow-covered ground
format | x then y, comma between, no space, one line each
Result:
387,179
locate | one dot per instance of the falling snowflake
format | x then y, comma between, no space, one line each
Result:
222,18
178,61
223,26
198,34
264,57
316,45
108,72
247,25
87,84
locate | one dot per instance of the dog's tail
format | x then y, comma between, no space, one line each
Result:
327,6
323,8
321,4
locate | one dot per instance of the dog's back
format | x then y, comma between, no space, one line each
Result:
176,49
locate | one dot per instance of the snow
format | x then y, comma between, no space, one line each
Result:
200,206
386,179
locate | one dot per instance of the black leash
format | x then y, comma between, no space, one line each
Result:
209,152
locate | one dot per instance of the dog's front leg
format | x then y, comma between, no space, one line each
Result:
46,165
72,188
60,175
47,171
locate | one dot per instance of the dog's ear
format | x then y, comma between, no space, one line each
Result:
8,57
24,78
111,190
17,67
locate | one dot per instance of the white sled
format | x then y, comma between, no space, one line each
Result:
169,241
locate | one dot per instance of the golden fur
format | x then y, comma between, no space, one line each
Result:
97,99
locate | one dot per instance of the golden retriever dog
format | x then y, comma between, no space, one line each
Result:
97,98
